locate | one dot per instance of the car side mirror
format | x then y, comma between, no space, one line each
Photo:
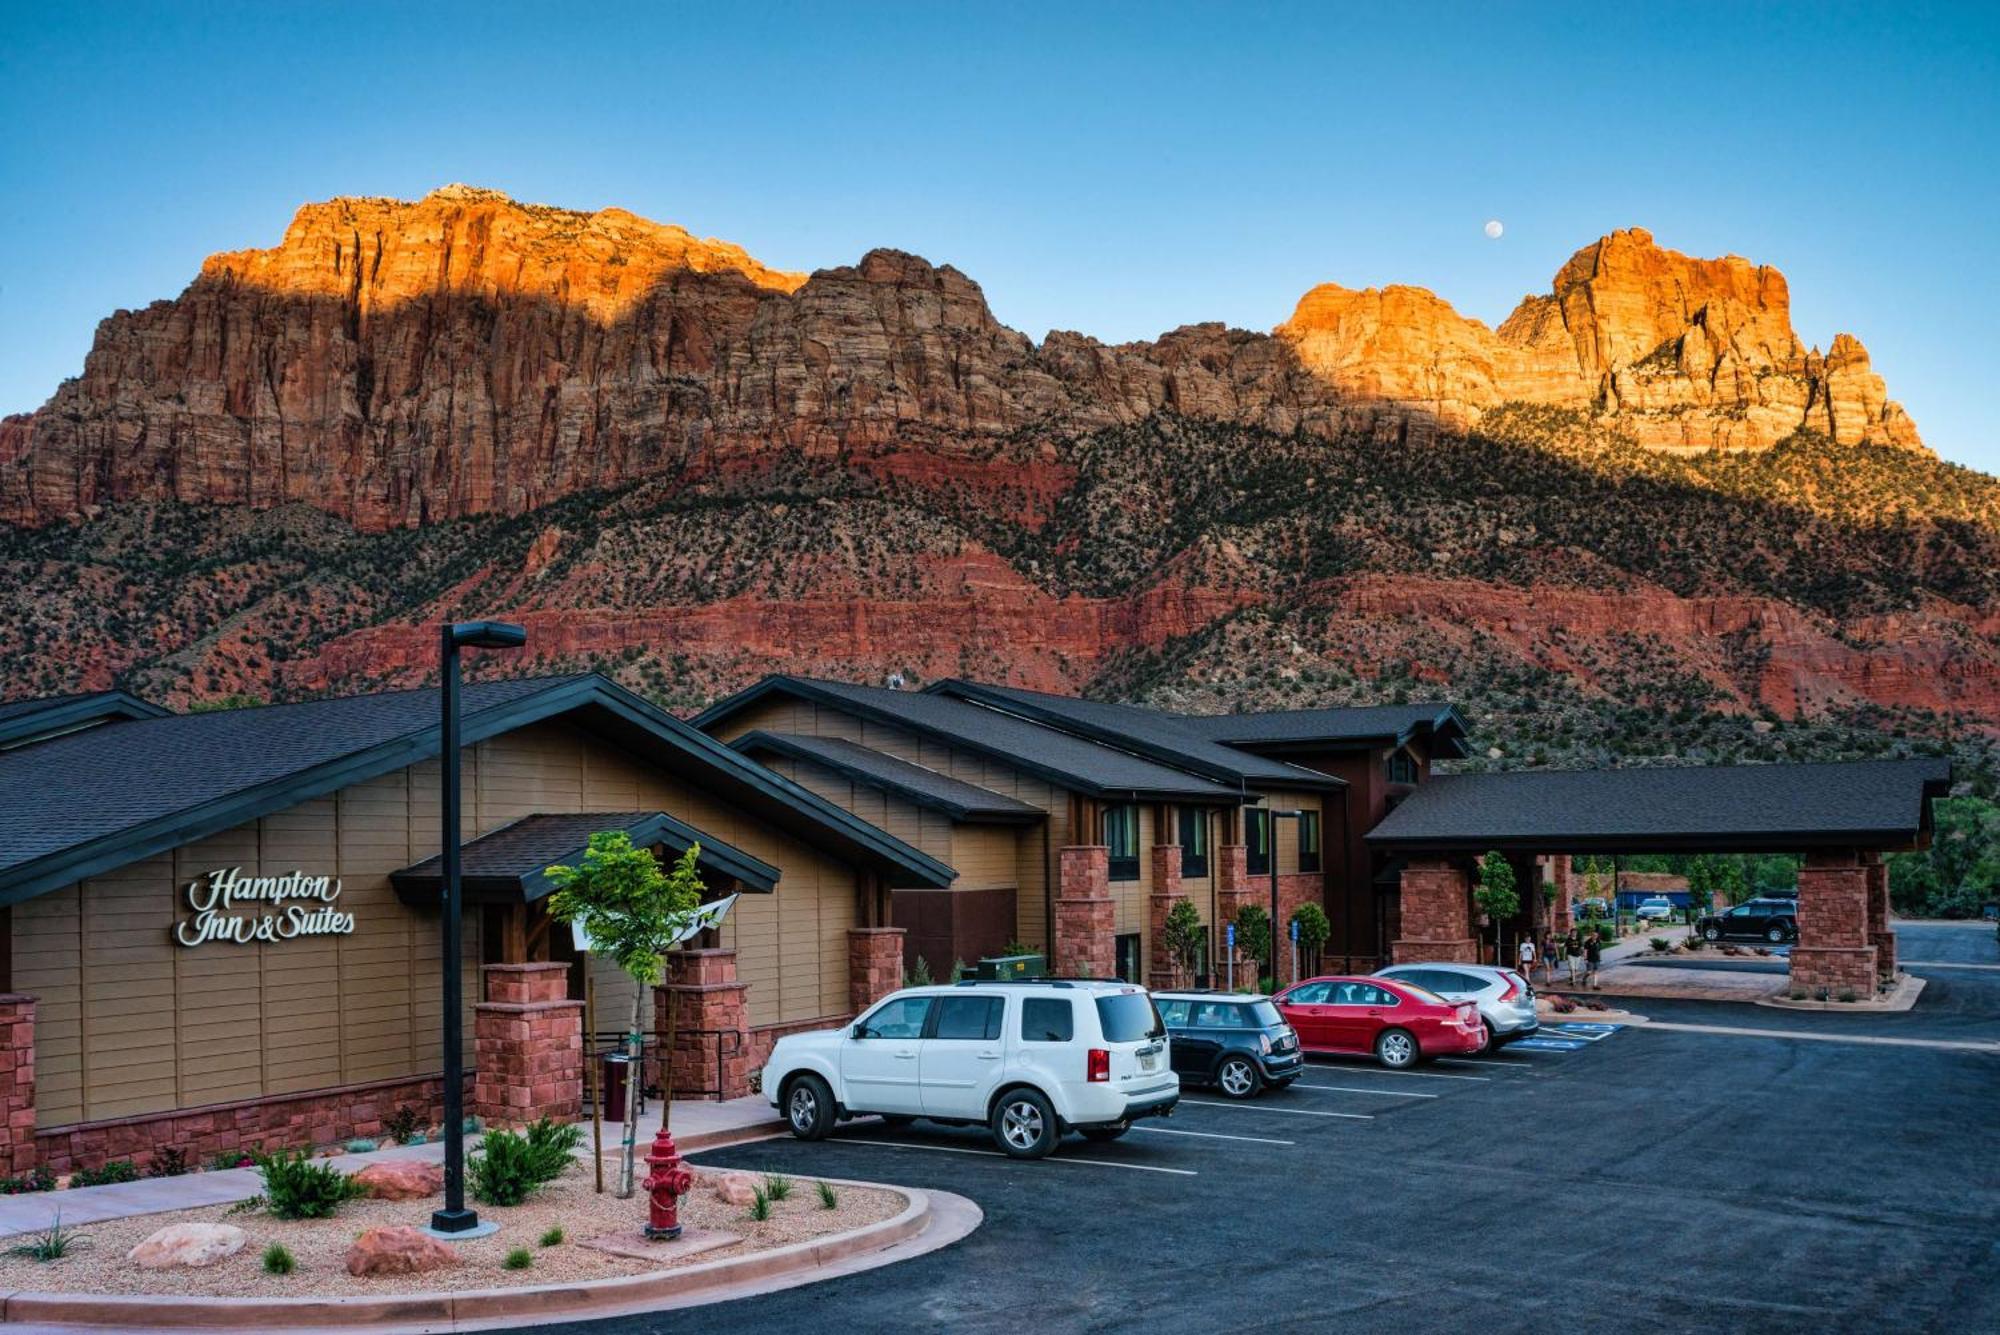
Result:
860,1031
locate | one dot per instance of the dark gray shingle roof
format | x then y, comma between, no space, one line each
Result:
1772,808
515,855
927,787
1162,736
23,722
1073,762
1345,724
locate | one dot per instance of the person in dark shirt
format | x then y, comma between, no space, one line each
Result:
1593,955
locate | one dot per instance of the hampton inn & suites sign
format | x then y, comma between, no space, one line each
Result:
229,906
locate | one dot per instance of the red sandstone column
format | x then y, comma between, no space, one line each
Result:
1833,953
712,1022
1437,914
17,1081
1232,891
1161,970
1560,872
1086,917
874,965
528,1046
1880,934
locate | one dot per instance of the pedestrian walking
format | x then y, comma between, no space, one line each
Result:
1575,955
1558,957
1526,951
1593,955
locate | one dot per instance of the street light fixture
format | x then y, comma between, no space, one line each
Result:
455,1220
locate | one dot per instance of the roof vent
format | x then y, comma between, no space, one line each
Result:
895,681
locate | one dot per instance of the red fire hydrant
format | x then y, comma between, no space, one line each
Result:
665,1185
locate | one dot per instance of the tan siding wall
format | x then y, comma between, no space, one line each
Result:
1032,870
131,1022
986,857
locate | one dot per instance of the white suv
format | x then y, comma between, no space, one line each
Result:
1029,1059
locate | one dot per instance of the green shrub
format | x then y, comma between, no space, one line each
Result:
760,1203
508,1168
919,975
828,1197
296,1186
169,1162
39,1178
553,1237
1660,944
118,1170
403,1125
777,1186
278,1261
229,1159
519,1259
1847,996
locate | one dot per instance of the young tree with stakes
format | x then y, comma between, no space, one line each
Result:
1496,895
632,912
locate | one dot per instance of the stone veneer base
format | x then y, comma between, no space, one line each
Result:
944,1217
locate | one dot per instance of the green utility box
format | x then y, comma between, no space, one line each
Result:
999,968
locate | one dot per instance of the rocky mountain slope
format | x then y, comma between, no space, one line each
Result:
1639,516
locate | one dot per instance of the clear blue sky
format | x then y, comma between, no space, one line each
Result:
1114,170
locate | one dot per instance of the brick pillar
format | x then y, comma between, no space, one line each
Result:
1233,889
711,1022
1880,934
1437,914
1161,970
1833,951
1086,918
1561,872
874,965
17,1082
528,1046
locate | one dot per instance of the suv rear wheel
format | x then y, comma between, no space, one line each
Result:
1776,934
1024,1125
809,1108
1238,1078
1711,933
1396,1049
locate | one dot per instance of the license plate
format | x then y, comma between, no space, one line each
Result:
1148,1060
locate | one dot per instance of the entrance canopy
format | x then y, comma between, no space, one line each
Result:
1880,805
508,866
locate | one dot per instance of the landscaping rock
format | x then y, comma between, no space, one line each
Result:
402,1180
399,1250
735,1188
187,1244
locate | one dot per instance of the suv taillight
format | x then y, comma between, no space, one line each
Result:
1512,990
1099,1069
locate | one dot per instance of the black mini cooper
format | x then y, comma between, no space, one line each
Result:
1239,1044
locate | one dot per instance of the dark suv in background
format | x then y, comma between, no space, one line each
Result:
1239,1044
1773,920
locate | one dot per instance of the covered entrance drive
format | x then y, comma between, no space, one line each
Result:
1840,817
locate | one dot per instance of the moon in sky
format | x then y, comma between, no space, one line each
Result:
1493,228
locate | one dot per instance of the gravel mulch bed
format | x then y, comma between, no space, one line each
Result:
320,1246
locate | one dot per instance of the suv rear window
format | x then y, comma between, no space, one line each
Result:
1047,1020
1128,1017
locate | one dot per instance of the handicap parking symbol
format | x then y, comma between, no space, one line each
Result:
1548,1044
1589,1033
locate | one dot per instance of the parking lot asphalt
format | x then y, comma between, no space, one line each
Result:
1652,1180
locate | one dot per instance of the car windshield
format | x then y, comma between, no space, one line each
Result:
1266,1014
1128,1017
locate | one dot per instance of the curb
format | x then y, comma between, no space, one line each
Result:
1908,988
477,1308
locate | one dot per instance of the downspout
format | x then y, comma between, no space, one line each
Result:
1048,893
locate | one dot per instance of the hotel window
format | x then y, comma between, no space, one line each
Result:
1125,954
1121,835
1402,768
1308,841
1257,841
1194,841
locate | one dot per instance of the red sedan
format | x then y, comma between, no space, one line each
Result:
1398,1022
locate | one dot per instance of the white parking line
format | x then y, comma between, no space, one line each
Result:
1290,1112
995,1154
1211,1135
1414,1075
1379,1090
1731,1031
1484,1061
1944,964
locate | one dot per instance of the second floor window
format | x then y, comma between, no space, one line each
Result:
1121,835
1308,841
1402,768
1257,842
1194,841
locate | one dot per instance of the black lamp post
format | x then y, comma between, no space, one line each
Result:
454,1219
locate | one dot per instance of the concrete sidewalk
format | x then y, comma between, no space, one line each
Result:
696,1126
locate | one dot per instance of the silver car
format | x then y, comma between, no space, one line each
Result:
1505,999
